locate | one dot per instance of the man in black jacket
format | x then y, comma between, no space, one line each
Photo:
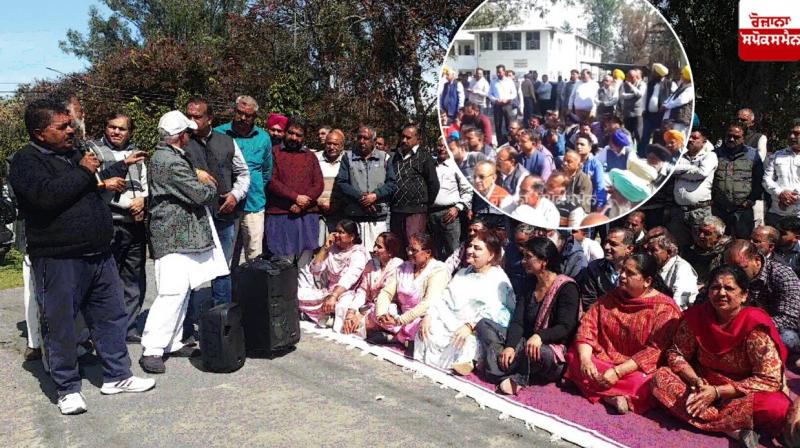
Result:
69,231
601,275
417,185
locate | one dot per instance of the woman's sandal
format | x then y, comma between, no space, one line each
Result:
508,387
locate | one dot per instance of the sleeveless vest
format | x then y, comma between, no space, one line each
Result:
216,157
733,178
682,114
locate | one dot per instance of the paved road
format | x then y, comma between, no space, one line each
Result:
319,395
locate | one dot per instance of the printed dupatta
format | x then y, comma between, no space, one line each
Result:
546,309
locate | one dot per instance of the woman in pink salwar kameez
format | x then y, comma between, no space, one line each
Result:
405,298
338,265
356,306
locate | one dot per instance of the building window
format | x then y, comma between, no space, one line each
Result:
533,40
467,50
509,41
486,42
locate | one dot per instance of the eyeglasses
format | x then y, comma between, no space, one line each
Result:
735,137
275,129
363,137
295,133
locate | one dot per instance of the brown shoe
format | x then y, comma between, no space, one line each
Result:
32,354
464,368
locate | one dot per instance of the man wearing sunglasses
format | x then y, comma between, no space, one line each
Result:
737,183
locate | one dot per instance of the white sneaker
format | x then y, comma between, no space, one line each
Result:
72,404
132,384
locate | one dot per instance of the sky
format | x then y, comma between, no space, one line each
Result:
29,38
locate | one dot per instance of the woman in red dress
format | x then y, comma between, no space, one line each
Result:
621,338
726,365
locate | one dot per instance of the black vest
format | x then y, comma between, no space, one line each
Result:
216,157
752,138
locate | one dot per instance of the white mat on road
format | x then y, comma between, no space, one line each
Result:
533,418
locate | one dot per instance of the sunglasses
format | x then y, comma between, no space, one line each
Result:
295,133
241,113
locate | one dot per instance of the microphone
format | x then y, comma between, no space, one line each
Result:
90,148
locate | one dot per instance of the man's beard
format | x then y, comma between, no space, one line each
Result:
292,145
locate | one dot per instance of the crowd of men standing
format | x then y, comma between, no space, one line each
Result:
588,147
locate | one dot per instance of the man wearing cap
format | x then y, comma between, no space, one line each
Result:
678,107
256,147
182,239
617,153
659,87
276,127
737,183
69,229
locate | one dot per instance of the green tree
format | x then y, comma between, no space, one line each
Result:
723,82
603,26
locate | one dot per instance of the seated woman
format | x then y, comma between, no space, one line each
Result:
338,266
407,294
621,337
481,290
544,322
726,364
355,306
458,259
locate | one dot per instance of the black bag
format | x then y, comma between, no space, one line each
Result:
222,338
267,292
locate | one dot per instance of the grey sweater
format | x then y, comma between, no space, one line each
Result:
178,221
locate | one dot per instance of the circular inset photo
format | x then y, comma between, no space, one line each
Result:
563,114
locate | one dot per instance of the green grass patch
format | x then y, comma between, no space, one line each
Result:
11,270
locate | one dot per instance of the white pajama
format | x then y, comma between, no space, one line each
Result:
31,306
176,276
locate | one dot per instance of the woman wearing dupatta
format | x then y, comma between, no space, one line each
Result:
622,336
355,307
480,291
533,347
407,294
338,265
726,365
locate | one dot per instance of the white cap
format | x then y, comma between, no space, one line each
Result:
174,122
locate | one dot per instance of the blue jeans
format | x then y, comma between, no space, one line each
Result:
791,340
221,286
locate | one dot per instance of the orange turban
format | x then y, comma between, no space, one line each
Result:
676,135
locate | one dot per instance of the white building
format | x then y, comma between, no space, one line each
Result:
523,48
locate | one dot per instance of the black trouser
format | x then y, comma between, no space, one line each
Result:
501,114
738,223
90,284
635,125
128,247
523,370
446,236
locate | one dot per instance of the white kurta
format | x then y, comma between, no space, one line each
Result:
469,297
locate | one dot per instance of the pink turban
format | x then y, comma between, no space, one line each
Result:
278,119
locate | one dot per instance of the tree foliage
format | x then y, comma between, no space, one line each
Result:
723,82
338,62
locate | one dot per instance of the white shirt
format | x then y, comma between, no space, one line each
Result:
694,176
592,249
673,101
545,214
453,186
478,91
584,95
679,276
782,173
652,105
503,89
